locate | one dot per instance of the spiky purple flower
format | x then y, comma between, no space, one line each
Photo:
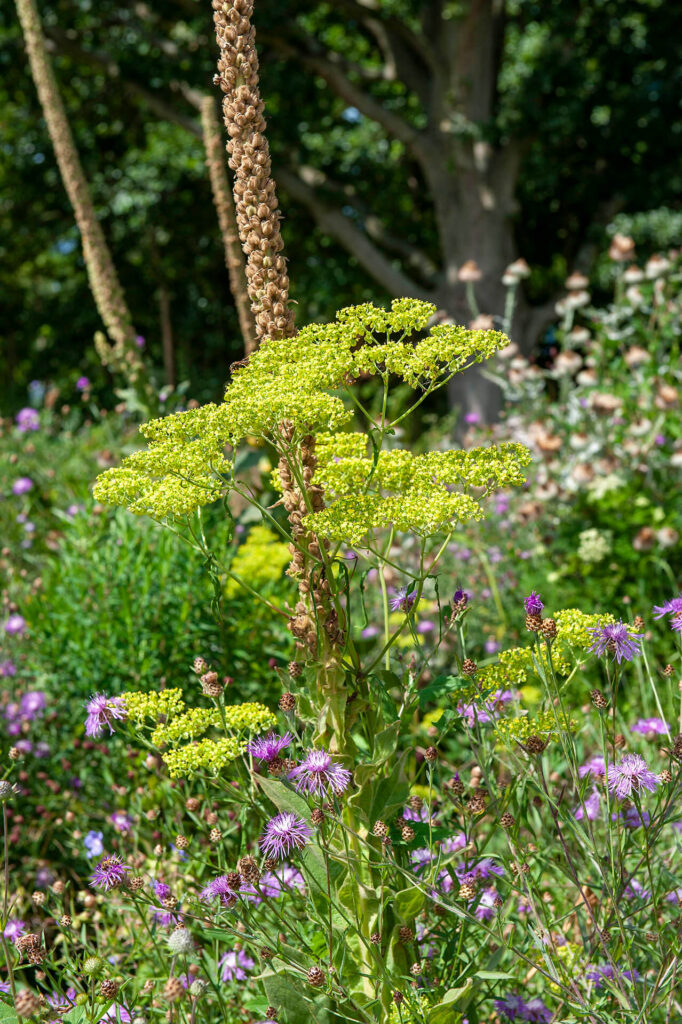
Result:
615,639
283,834
101,711
14,929
631,775
267,748
219,889
15,625
533,604
511,1007
671,607
595,766
22,485
32,704
403,601
27,419
121,821
109,873
591,804
317,772
647,725
235,965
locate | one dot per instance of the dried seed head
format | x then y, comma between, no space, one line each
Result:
467,890
668,670
431,755
317,816
266,953
28,943
169,902
173,990
215,835
507,820
534,623
38,897
639,623
498,902
380,829
108,988
295,669
398,998
287,702
455,785
27,1003
407,833
211,818
271,1012
416,969
192,803
405,934
211,684
136,883
182,842
14,754
599,700
416,803
677,747
476,804
248,869
534,744
58,887
619,741
316,976
65,921
200,666
375,938
549,629
234,880
665,776
469,667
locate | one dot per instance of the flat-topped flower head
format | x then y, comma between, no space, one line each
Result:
267,748
221,889
109,873
631,775
616,639
102,710
317,773
402,601
283,834
533,604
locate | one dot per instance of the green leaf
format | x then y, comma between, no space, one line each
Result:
442,1013
495,976
409,902
8,1015
439,687
289,995
282,797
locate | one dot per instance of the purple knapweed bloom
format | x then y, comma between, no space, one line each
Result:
636,889
139,341
27,419
460,598
219,889
274,884
44,877
491,646
535,1010
472,417
631,775
283,834
14,929
615,639
403,601
419,858
650,725
631,818
116,1014
676,622
101,710
599,973
22,486
93,844
32,704
595,766
478,871
511,1007
82,384
533,604
317,773
485,909
267,748
4,986
591,811
121,821
235,965
671,607
15,625
7,668
488,710
456,842
109,873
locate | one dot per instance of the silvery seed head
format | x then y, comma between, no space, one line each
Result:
180,941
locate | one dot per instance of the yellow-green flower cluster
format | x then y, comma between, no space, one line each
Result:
211,754
195,722
573,626
514,666
141,706
543,724
292,380
260,560
408,1013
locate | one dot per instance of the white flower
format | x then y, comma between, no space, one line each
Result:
594,545
180,941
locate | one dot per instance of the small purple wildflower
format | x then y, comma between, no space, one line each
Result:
116,1014
676,622
121,821
403,601
27,419
536,1010
44,877
139,341
7,668
485,909
93,844
14,929
101,710
635,889
472,418
478,871
267,748
82,384
317,773
219,889
671,607
32,704
511,1007
631,818
650,725
595,766
274,884
615,639
460,598
491,646
456,842
592,805
630,775
22,486
15,625
109,873
235,965
533,604
283,834
4,986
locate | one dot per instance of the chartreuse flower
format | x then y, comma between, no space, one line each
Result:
544,724
261,560
242,721
141,706
574,628
189,459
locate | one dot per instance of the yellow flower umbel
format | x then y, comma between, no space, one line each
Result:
261,560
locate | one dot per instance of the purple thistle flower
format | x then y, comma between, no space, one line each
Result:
82,384
650,725
595,766
535,1010
235,965
274,884
636,889
101,710
485,909
109,873
14,929
631,818
511,1007
592,805
283,834
267,748
161,889
15,625
22,486
671,607
7,668
27,419
32,704
403,601
4,986
116,1014
676,622
616,639
630,775
219,889
121,821
460,598
533,604
479,871
317,772
456,842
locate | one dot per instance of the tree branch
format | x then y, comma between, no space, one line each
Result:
351,238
